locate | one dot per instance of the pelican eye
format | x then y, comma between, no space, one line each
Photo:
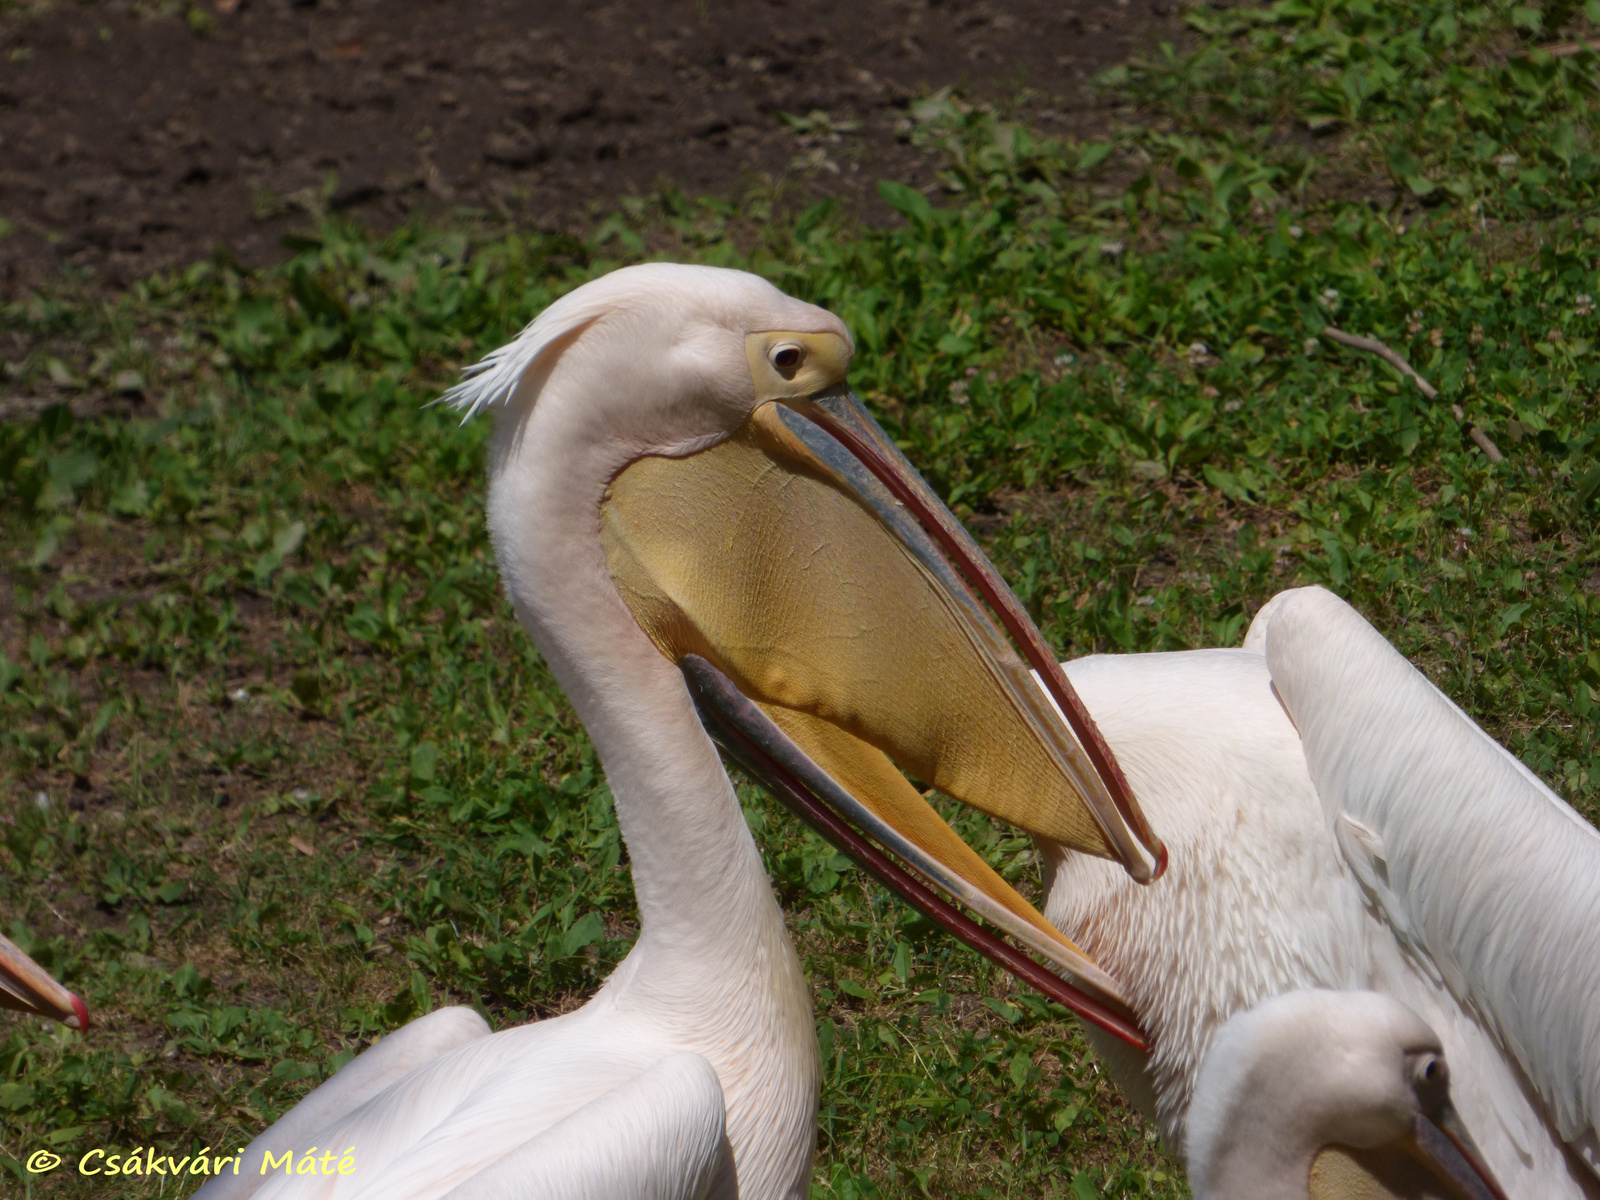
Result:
1432,1072
786,356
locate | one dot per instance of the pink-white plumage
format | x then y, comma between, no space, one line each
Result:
1393,847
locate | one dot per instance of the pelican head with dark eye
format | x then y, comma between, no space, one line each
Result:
1329,1096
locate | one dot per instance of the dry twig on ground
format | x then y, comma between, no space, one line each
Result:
1568,49
1398,362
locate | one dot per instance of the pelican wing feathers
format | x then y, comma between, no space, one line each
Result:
1484,874
367,1075
659,1136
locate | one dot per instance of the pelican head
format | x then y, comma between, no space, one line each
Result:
1326,1094
837,627
27,987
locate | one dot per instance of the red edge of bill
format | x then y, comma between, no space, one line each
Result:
914,892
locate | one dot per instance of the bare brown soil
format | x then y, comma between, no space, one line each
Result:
137,135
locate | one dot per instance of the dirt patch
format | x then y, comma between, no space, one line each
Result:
142,134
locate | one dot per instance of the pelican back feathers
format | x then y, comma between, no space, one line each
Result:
1255,901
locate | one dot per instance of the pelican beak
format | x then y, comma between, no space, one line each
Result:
1442,1144
28,987
840,627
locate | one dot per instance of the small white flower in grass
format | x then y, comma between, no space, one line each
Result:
1147,468
1198,353
1309,346
958,392
1330,299
1065,360
41,801
1111,249
1585,304
1508,160
1296,232
1414,321
238,695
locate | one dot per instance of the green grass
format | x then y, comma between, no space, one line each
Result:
304,776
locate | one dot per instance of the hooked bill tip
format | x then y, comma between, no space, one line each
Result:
1161,863
80,1018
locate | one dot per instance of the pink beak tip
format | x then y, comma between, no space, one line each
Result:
80,1019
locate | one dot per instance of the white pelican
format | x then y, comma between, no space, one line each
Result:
27,987
679,478
1293,1093
1333,821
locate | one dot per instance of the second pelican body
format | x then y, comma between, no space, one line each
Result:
1335,822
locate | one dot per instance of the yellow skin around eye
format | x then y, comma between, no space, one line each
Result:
824,362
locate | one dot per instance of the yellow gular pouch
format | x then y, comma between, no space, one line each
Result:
750,555
1381,1173
797,593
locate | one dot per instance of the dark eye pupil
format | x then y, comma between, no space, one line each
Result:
787,357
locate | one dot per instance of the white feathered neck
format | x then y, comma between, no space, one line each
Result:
595,383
